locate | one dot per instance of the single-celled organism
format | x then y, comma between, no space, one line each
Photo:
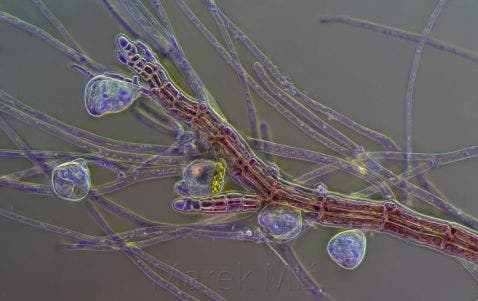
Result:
202,178
347,248
71,180
107,94
280,222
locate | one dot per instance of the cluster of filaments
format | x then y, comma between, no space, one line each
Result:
201,186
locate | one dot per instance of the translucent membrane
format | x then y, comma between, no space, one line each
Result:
280,222
71,180
106,95
347,248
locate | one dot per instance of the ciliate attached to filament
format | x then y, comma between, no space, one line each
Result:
71,180
202,178
107,95
280,222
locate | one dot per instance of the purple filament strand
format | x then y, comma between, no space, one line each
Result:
57,24
294,92
15,138
93,138
401,34
50,40
413,74
137,256
304,112
288,257
251,113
